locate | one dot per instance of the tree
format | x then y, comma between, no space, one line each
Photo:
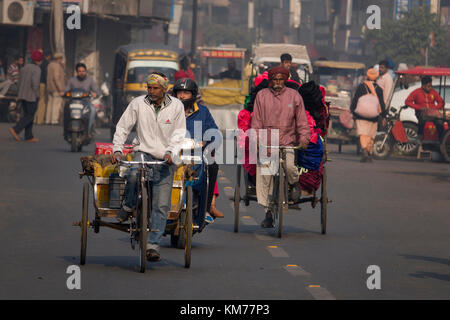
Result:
406,40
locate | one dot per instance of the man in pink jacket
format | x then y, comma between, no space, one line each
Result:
280,108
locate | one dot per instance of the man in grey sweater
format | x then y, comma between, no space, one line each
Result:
29,90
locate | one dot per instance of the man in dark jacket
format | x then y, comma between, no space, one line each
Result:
198,116
29,90
286,61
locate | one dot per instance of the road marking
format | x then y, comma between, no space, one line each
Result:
296,270
249,221
224,179
277,252
263,236
320,293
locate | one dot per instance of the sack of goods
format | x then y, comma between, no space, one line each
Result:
368,105
311,157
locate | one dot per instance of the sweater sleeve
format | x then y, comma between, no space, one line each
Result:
257,122
411,101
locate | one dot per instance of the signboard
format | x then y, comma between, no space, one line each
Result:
47,4
225,54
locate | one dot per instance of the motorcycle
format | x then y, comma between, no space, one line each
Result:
76,119
400,136
102,105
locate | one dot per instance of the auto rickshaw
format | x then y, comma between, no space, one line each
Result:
269,55
224,96
133,63
340,80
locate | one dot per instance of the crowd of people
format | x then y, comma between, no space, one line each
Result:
40,87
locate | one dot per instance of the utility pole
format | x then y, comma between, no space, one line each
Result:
194,27
58,27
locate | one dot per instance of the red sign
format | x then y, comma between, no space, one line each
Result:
107,148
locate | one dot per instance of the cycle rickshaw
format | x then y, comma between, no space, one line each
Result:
280,202
108,186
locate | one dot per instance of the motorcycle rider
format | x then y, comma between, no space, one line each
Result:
83,81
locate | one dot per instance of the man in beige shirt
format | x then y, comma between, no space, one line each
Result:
385,81
55,87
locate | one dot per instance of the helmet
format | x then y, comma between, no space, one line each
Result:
186,84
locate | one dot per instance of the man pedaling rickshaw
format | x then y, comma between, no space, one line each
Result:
198,116
161,129
280,108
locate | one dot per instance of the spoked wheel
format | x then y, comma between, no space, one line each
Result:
84,222
179,240
382,151
237,198
409,148
445,146
281,197
143,225
188,228
324,202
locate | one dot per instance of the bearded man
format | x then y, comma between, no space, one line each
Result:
279,108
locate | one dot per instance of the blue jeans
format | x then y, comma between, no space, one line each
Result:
161,197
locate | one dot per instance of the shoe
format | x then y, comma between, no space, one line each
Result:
14,134
369,158
32,140
153,255
122,215
268,221
208,218
294,194
214,211
365,156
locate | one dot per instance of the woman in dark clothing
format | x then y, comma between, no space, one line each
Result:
366,128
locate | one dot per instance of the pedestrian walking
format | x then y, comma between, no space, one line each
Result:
55,87
367,106
39,117
29,80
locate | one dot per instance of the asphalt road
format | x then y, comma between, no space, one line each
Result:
392,214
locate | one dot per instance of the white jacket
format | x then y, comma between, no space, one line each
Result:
156,135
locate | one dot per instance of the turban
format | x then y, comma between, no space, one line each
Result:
276,70
372,74
158,80
36,56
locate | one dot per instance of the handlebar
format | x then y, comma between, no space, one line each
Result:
284,147
143,162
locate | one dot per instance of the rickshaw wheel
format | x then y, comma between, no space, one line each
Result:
445,146
237,198
143,229
84,222
188,228
179,240
324,202
280,204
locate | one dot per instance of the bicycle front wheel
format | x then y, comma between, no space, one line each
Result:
143,225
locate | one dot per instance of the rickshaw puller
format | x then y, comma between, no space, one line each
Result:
161,128
282,108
